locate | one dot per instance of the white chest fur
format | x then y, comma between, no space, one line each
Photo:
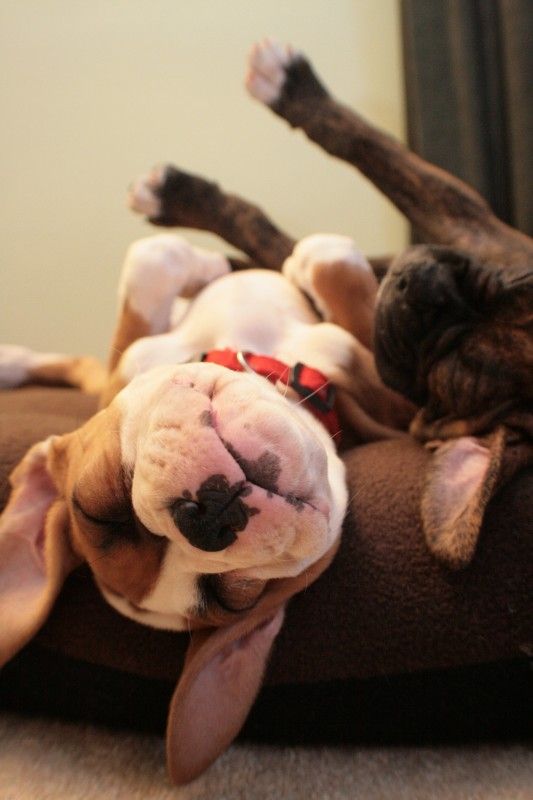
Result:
256,310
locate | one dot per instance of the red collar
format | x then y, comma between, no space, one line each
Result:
317,393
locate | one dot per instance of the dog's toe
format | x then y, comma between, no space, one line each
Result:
267,65
144,193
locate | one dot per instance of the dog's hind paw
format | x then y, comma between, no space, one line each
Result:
267,66
16,364
323,257
144,193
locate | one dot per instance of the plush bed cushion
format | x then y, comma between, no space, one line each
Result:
384,608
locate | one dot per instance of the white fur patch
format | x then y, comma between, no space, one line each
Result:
17,363
160,268
171,602
267,64
180,306
317,249
154,351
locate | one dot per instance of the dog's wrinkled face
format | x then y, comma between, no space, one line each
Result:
196,487
456,336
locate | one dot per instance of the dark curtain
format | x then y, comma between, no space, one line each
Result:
469,81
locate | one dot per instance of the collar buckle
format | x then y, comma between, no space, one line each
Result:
314,397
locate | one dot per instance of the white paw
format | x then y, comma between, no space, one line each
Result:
266,69
142,194
15,365
160,268
317,250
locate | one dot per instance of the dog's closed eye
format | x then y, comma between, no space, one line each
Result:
111,517
106,529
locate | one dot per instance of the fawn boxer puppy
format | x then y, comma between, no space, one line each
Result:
208,489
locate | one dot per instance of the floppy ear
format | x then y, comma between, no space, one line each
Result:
35,556
460,482
222,675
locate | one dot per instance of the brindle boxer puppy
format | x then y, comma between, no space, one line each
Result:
454,323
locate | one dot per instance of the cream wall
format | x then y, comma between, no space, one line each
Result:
93,93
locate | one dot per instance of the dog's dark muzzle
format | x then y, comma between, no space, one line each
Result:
422,310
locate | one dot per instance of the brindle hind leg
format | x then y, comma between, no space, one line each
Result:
443,208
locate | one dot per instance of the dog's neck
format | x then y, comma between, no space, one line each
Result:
311,386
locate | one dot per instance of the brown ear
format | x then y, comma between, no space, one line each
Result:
35,556
460,482
223,673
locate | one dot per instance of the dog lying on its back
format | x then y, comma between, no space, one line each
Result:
208,490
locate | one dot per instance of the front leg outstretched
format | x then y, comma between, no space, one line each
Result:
171,197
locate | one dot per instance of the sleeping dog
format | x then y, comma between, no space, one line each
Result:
208,489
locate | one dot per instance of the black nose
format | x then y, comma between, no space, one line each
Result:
212,521
427,286
429,276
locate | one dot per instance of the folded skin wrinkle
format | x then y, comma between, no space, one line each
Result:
264,471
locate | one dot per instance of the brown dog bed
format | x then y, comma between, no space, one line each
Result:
387,645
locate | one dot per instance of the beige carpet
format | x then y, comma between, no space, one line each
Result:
48,760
